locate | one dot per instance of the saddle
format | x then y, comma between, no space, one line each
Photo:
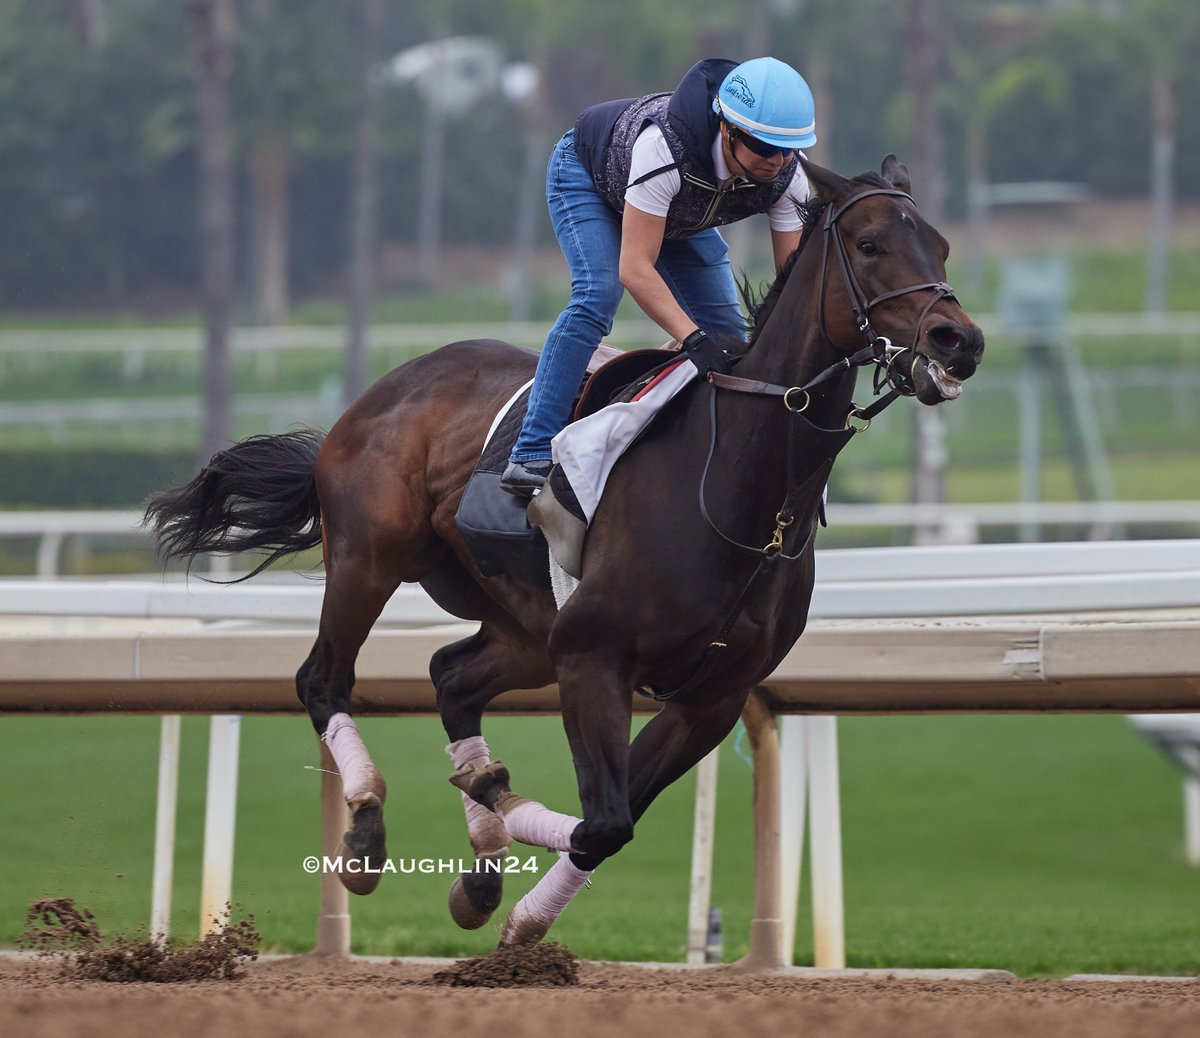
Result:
621,378
494,524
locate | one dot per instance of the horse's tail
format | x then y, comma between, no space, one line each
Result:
259,493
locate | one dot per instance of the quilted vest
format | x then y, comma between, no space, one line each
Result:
604,136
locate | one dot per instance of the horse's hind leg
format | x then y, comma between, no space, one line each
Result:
468,675
355,595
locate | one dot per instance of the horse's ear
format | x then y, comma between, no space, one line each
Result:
826,184
895,173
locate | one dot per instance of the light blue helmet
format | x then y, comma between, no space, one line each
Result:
770,101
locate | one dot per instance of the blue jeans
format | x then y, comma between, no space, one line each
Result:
696,269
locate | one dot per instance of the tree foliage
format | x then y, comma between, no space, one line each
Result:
98,179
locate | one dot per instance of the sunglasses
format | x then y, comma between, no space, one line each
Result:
760,148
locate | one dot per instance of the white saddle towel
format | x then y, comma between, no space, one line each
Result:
588,449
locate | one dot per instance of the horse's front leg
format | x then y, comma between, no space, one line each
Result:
597,708
596,714
676,739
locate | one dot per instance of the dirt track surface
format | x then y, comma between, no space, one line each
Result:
315,997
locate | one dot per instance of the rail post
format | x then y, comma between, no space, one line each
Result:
164,826
766,929
703,829
220,817
333,924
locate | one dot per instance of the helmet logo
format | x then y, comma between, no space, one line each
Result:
739,90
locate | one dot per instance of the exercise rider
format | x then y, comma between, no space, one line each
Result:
636,191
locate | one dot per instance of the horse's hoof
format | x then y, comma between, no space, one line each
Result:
363,850
523,932
483,785
474,896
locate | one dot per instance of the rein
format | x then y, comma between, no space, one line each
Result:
878,350
796,399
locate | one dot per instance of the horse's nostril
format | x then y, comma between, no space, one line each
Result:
949,337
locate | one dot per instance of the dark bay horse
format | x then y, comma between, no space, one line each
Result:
698,567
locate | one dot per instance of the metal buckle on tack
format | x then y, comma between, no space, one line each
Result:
775,548
857,412
787,402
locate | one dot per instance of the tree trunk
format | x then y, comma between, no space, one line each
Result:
269,178
531,191
976,162
739,236
433,170
212,30
363,207
1162,193
91,22
924,53
818,73
929,179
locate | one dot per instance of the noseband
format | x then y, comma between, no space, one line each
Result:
882,352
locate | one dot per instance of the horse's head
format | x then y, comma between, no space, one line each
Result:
884,278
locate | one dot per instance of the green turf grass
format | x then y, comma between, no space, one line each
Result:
1044,845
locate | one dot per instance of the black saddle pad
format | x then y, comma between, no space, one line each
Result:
494,523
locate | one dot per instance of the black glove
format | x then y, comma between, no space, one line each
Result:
706,354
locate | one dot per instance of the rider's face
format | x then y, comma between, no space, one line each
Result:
745,161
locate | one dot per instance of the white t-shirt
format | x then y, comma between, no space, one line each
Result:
653,196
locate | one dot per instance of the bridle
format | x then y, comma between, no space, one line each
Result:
878,349
883,353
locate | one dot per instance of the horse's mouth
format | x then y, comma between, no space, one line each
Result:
937,384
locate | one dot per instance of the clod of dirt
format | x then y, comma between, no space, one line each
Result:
71,932
217,956
56,924
543,965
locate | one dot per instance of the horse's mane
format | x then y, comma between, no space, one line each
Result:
759,306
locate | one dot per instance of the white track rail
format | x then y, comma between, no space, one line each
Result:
958,580
958,523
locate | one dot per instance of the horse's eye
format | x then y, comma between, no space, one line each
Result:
867,247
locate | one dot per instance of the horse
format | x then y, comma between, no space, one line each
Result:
697,572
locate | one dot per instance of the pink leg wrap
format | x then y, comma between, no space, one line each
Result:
354,763
538,826
546,901
486,832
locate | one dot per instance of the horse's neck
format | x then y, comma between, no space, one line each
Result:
791,349
780,455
